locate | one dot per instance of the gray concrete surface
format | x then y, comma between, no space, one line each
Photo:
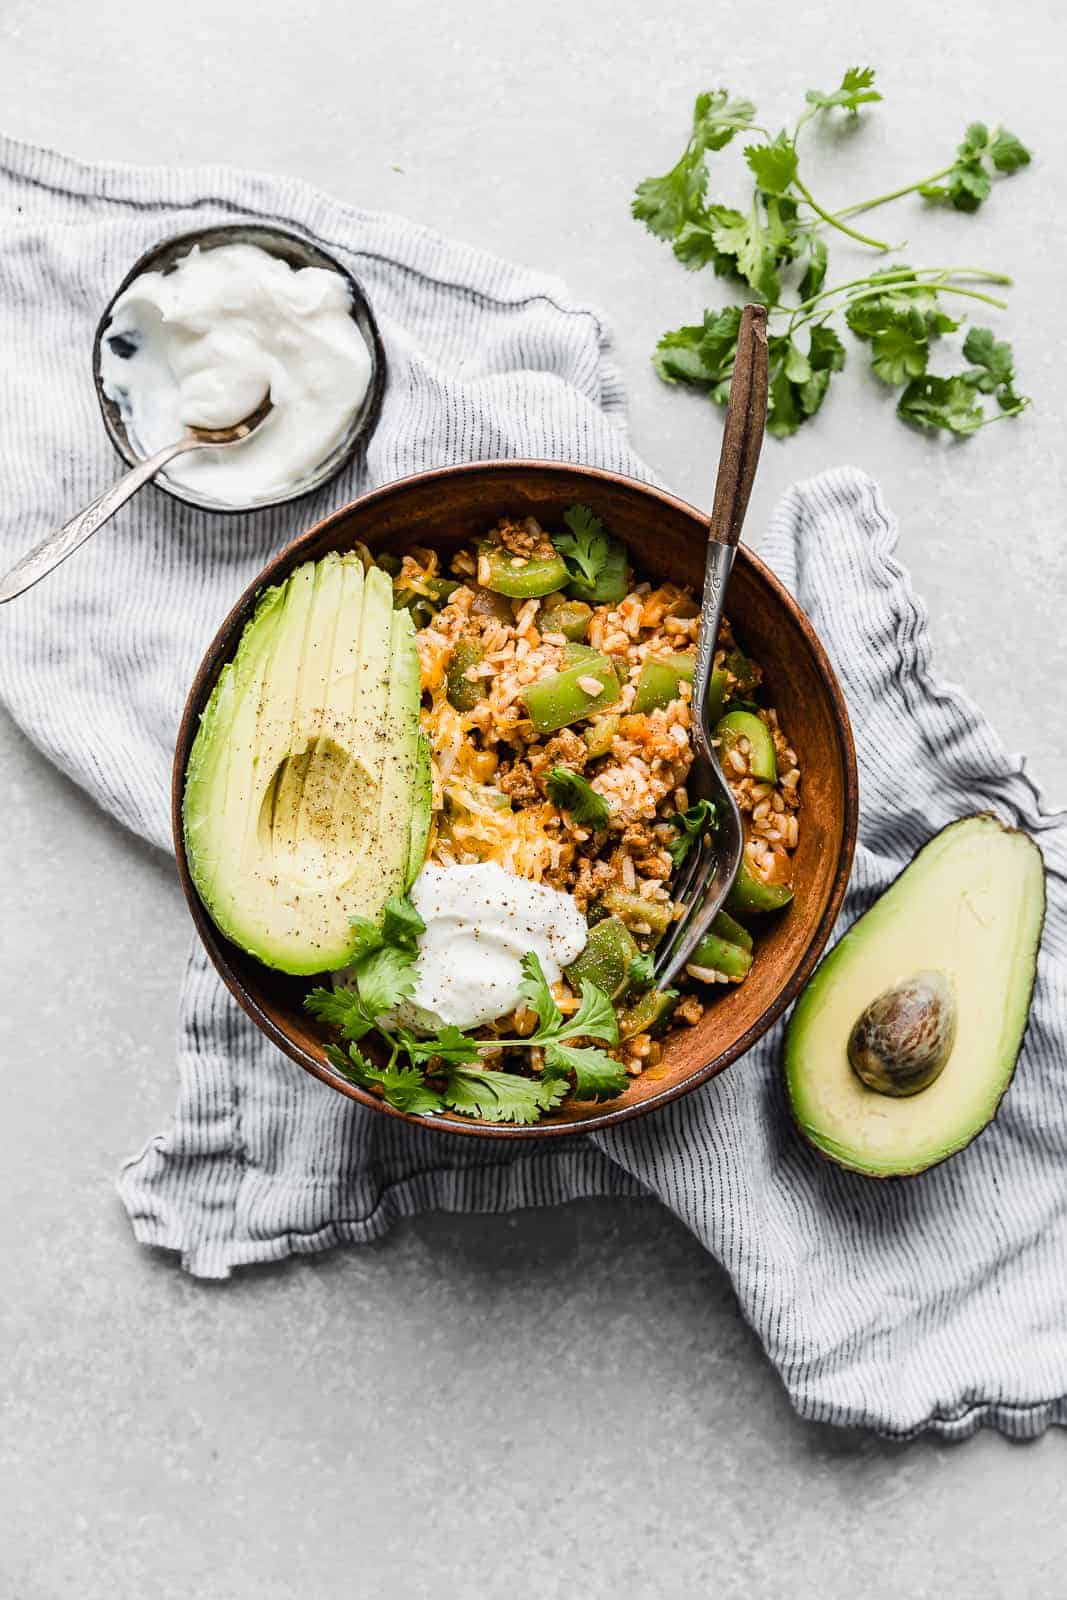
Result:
554,1404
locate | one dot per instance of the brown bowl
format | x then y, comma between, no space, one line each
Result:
451,506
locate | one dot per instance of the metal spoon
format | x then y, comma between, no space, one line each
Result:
707,879
46,556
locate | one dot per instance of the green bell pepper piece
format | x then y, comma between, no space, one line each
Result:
558,700
606,958
738,725
636,911
463,692
540,575
750,895
599,735
659,680
721,956
569,617
647,1014
726,928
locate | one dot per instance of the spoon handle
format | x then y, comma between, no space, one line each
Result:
746,415
44,557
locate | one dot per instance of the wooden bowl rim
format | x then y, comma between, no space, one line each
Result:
220,649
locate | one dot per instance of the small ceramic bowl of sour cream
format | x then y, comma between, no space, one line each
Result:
206,326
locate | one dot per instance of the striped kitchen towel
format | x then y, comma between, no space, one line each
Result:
938,1303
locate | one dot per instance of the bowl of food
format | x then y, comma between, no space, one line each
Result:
430,796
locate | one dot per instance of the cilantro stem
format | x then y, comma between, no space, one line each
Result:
901,278
892,194
842,227
879,288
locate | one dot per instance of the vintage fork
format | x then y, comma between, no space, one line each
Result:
707,878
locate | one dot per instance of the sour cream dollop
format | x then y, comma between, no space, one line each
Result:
203,345
480,922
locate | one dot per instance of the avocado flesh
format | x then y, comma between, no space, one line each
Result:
970,905
301,787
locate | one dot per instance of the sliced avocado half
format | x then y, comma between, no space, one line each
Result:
961,925
306,796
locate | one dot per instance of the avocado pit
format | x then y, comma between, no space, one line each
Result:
900,1043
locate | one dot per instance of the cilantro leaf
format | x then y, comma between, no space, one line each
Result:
340,1008
385,977
891,295
571,792
757,261
854,92
597,1076
702,355
402,1087
1007,152
595,1017
695,246
797,381
401,923
500,1096
773,165
815,270
968,181
666,204
368,937
992,360
717,117
948,403
537,994
691,824
749,249
899,320
642,970
900,352
451,1045
585,548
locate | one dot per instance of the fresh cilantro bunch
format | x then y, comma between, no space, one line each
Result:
777,248
424,1075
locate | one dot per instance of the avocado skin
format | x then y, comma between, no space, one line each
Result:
838,1155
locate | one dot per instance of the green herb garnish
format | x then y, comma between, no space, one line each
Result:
642,973
571,792
691,824
423,1076
776,247
585,548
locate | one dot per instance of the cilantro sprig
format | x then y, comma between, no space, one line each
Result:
691,825
585,547
571,792
777,248
424,1075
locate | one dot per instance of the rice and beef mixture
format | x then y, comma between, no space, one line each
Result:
495,748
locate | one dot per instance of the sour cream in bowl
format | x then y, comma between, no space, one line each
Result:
207,325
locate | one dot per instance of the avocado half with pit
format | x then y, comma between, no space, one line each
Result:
307,791
907,1035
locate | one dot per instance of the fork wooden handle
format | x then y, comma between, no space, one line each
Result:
746,417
